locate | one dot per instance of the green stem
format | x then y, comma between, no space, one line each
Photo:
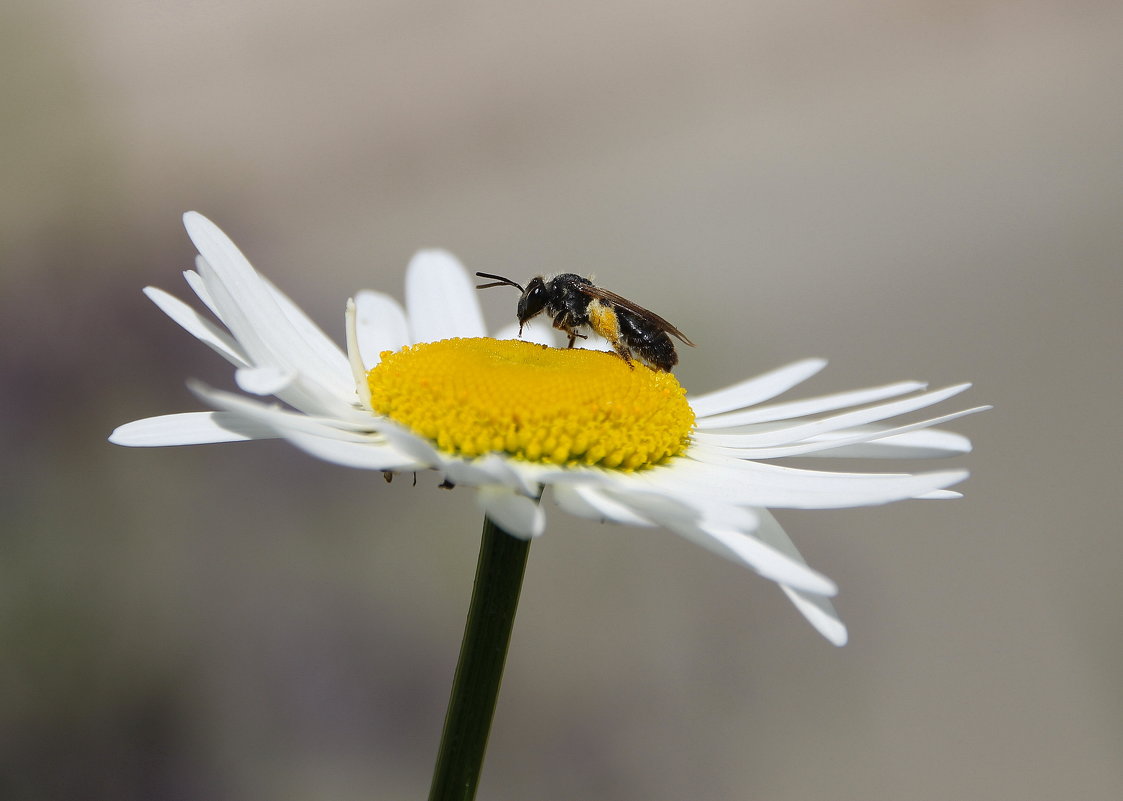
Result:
475,688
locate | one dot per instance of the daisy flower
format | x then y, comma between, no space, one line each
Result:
425,388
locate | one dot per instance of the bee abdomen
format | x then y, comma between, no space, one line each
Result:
650,344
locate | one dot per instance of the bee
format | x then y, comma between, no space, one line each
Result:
574,301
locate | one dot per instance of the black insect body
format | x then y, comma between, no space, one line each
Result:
574,302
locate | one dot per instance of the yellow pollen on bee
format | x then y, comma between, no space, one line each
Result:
602,319
471,397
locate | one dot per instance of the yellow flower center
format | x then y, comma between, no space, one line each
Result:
568,407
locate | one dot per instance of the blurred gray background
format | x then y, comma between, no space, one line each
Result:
915,189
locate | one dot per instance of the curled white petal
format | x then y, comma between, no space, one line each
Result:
263,380
407,442
516,514
490,469
587,501
358,369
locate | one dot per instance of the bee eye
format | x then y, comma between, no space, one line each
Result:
533,300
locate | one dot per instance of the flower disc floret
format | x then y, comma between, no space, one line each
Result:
568,407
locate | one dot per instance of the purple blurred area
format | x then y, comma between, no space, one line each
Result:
913,189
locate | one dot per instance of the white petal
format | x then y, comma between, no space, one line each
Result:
301,391
311,398
584,501
572,502
311,334
539,334
775,565
520,476
263,380
818,610
199,286
333,359
284,420
802,408
723,529
380,324
441,299
234,288
926,444
677,512
742,444
755,390
762,558
820,613
747,483
938,495
264,321
594,341
366,455
516,514
490,469
417,448
797,433
189,428
198,326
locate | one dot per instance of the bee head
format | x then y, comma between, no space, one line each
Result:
533,299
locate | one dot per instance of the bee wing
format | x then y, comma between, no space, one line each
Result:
618,300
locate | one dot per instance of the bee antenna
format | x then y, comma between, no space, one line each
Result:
499,281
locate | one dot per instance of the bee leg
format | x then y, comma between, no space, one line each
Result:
561,324
573,337
623,352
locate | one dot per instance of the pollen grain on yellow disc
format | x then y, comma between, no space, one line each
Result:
570,407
